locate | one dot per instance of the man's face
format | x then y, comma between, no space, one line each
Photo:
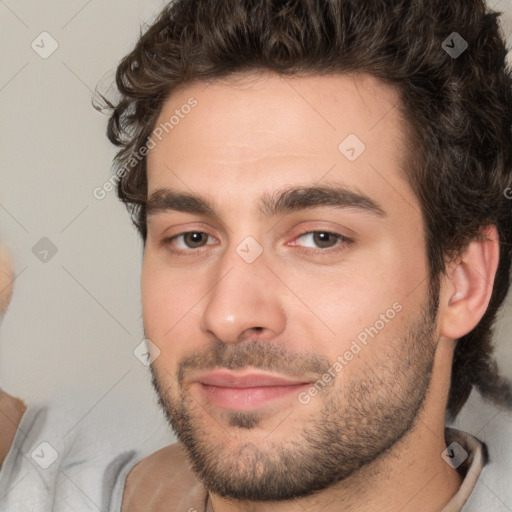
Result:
254,292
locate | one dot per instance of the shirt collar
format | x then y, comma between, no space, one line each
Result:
470,468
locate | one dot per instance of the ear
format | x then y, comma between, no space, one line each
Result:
467,285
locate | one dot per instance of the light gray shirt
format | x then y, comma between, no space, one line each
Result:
65,460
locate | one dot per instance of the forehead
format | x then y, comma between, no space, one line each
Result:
241,109
262,129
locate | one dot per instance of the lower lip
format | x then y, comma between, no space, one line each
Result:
246,399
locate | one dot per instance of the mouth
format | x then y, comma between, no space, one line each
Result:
247,391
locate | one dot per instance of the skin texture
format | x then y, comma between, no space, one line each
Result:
11,408
372,440
6,278
11,412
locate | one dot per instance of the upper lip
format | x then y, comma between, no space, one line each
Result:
228,379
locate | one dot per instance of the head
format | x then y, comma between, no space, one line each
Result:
275,114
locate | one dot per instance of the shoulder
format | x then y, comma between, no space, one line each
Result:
164,477
11,412
169,462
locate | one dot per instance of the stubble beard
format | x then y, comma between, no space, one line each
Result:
358,422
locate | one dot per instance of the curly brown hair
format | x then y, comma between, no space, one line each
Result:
458,113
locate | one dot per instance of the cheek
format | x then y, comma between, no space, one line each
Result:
364,302
170,299
160,317
160,307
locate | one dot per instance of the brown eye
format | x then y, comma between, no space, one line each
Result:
323,239
195,239
185,242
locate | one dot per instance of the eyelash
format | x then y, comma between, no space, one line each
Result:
343,242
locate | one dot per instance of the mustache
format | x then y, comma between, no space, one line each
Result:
262,355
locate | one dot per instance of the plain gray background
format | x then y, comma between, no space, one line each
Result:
75,319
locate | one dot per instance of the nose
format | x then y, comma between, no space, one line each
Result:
244,301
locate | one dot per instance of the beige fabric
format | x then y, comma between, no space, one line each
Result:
472,467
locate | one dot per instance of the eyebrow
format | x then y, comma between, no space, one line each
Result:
271,204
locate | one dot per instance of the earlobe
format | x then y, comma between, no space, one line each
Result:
467,285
